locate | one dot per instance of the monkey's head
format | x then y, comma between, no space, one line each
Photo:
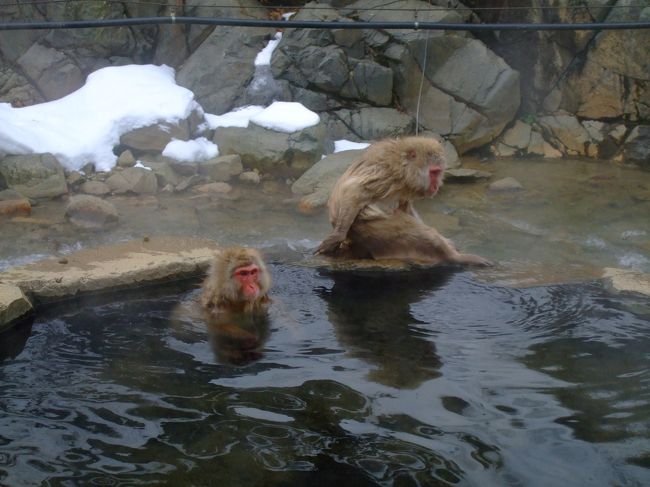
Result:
423,163
238,276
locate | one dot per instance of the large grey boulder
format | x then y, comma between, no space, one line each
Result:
612,80
155,137
164,173
221,68
16,89
469,94
176,42
99,42
370,81
564,130
52,71
222,168
315,185
373,123
33,175
273,152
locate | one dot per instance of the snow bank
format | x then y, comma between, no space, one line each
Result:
85,126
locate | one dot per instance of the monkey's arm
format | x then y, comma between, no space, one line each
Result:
407,207
347,201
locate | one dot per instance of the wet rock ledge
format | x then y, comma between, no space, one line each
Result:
107,268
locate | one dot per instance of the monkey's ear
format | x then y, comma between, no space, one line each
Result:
410,154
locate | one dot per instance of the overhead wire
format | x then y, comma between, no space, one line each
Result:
384,7
320,24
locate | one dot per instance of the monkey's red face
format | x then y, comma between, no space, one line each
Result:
248,279
435,179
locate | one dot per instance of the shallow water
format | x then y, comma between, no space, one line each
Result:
572,219
362,378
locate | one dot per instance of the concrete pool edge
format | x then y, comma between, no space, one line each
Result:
150,261
125,265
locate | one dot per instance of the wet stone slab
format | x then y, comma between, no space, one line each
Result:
14,305
626,280
111,267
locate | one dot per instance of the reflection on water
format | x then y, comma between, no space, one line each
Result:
371,314
419,378
235,338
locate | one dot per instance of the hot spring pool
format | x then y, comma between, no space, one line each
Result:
360,378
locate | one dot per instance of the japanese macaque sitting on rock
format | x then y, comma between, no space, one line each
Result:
371,209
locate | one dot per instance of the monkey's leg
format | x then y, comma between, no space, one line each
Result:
402,236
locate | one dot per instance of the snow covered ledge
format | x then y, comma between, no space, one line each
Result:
112,267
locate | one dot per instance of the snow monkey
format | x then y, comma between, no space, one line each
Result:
371,209
238,281
234,298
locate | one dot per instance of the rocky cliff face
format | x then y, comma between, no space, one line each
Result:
563,93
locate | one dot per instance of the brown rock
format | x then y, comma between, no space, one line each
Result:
15,207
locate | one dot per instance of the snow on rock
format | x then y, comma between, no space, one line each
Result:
84,126
240,117
288,117
263,58
197,150
342,145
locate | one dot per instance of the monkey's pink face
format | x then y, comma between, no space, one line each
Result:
248,279
435,179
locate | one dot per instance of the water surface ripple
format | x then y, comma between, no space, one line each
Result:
364,378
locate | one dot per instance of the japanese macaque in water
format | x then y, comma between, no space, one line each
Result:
371,209
237,281
233,299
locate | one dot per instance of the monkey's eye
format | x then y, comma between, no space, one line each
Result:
246,272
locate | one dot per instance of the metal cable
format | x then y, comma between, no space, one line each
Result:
298,7
296,24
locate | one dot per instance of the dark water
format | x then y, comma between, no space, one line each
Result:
419,378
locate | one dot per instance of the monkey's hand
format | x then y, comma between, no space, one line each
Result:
330,245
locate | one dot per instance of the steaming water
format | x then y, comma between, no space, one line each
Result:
528,373
419,378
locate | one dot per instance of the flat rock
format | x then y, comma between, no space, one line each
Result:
13,305
465,175
626,280
506,184
112,267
